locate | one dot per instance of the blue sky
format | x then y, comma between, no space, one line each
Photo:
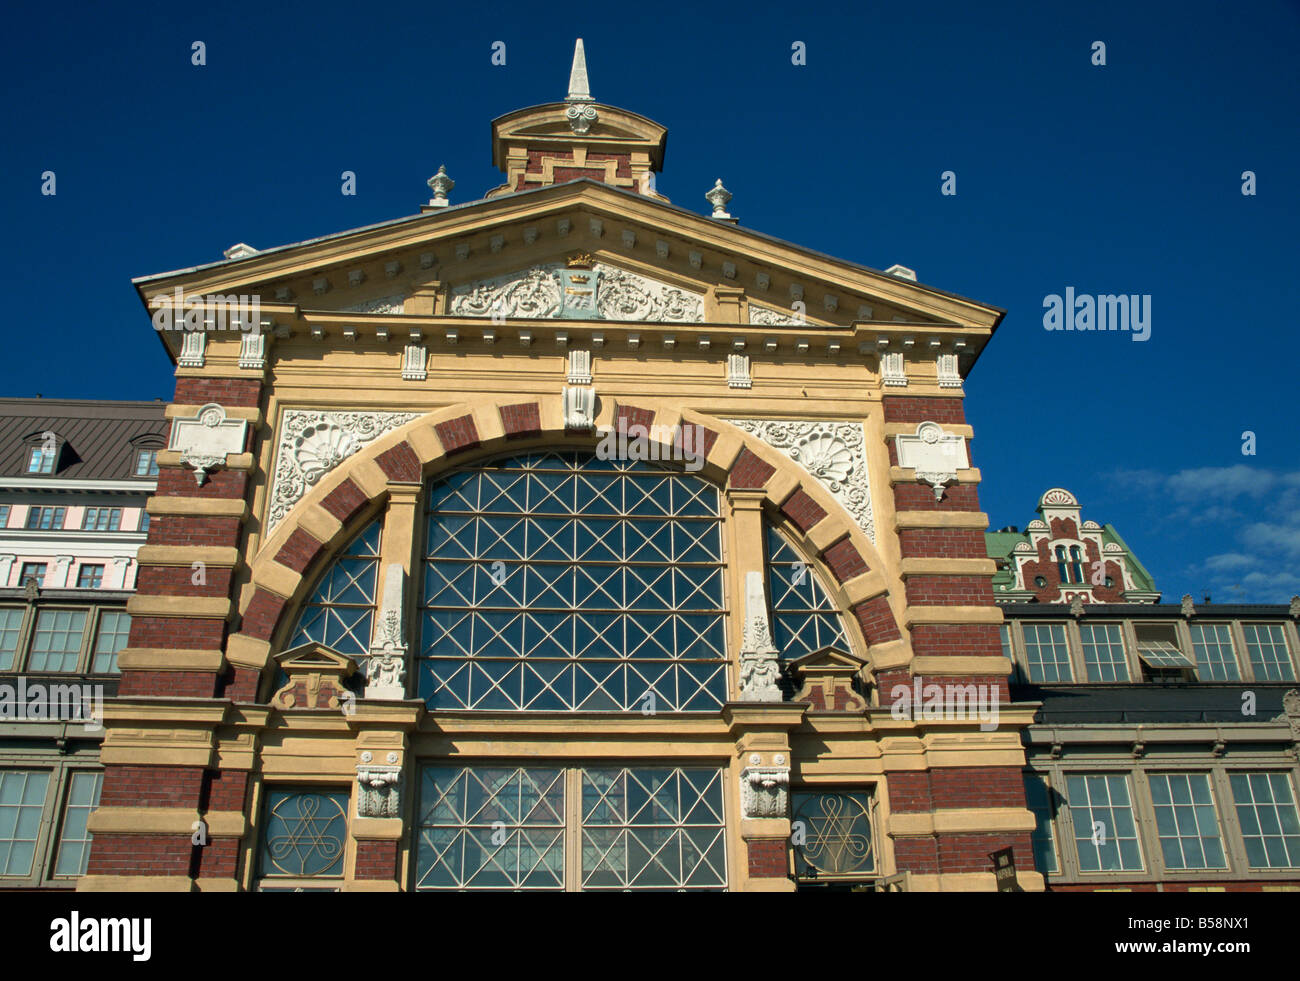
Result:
1117,179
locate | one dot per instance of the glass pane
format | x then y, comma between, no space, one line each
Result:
22,799
305,833
74,841
56,641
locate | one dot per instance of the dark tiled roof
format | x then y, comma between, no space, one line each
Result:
97,435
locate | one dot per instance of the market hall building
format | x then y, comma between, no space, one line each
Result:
568,539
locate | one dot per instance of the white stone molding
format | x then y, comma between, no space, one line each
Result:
768,317
62,566
935,455
537,293
893,369
765,790
949,376
738,371
414,358
760,669
311,443
6,565
833,451
380,304
579,367
194,345
122,565
378,786
205,440
385,669
252,349
579,407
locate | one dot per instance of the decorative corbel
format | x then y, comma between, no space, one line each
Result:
765,790
934,454
378,783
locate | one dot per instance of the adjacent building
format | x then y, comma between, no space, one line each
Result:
74,479
1163,752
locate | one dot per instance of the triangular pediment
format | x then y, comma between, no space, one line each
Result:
827,658
314,656
379,269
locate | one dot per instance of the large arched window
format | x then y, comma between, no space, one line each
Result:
340,612
556,581
803,617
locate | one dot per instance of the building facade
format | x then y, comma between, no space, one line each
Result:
1163,751
74,479
562,539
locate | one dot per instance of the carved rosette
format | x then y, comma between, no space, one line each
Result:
536,293
313,443
378,786
832,451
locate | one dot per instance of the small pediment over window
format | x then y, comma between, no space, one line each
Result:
316,678
831,680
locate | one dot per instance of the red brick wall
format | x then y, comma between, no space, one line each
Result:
767,858
376,860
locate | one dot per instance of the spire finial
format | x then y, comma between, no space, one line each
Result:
579,88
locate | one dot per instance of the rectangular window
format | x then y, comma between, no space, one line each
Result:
22,799
40,461
102,519
1267,814
146,463
143,526
506,827
1266,647
56,641
1046,653
305,834
90,577
11,628
1186,821
488,827
32,571
1215,660
74,839
1038,796
1103,651
45,519
114,626
1105,833
4,515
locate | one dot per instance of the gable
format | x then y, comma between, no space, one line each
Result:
449,253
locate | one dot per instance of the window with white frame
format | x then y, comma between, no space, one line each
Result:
146,463
804,619
40,459
1103,651
1266,811
33,572
557,581
1047,655
1266,648
340,612
628,828
1105,833
1187,823
1212,644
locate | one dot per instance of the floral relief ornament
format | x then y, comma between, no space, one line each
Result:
832,451
312,443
